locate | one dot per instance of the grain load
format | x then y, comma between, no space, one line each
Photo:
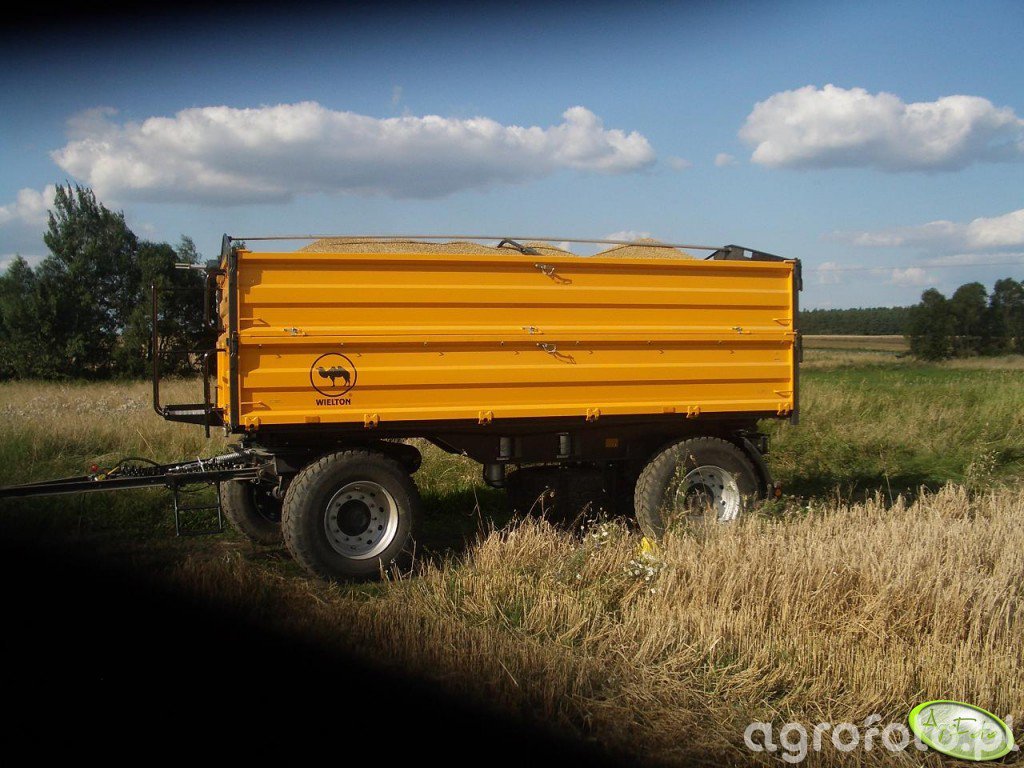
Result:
391,245
645,248
382,245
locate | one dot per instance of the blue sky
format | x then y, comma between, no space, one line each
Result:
882,143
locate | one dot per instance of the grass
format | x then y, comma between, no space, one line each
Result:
828,616
893,429
893,574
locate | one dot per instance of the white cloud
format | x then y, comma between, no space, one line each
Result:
983,233
231,156
29,207
829,273
834,127
976,259
22,222
997,232
724,159
628,234
678,163
915,277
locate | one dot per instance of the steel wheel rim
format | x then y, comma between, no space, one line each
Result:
361,520
708,490
265,505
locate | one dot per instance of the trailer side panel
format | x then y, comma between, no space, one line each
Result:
371,339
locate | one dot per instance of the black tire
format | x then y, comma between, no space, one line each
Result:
252,511
670,488
336,508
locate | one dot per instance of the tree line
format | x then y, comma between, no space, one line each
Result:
970,322
84,311
869,321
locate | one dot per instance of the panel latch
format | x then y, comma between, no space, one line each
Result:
549,270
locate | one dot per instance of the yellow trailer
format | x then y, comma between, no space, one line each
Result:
581,384
634,382
385,339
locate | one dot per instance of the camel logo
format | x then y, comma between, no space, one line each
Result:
332,375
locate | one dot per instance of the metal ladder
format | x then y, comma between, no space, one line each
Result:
181,513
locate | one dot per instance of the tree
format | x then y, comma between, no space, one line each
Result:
84,312
969,305
89,282
1006,306
19,327
181,311
931,327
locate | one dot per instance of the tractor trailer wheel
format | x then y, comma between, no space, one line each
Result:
700,480
350,515
252,511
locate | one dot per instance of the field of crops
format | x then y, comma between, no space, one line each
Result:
890,574
894,344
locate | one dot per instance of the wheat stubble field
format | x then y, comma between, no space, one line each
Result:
890,574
